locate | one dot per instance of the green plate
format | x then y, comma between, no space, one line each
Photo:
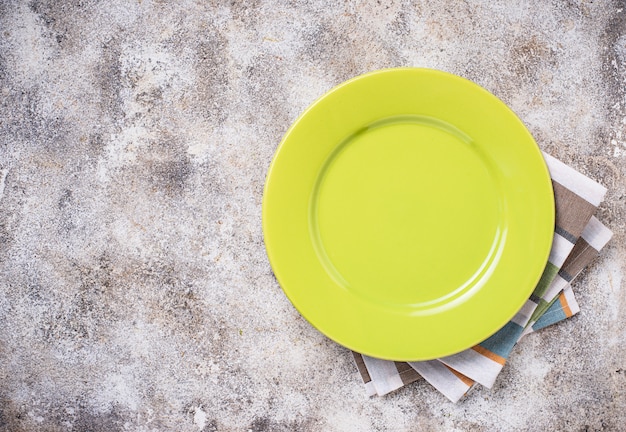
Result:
408,214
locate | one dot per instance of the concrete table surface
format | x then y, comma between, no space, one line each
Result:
135,293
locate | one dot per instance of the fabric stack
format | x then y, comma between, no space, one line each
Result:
578,239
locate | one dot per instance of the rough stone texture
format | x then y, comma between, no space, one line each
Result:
135,293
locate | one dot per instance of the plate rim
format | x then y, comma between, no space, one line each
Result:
285,138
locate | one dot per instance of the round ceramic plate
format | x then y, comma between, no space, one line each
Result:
408,214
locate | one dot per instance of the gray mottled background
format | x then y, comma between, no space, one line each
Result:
135,293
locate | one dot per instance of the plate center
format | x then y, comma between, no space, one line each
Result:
407,212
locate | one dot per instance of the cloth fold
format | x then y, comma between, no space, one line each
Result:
593,238
562,307
386,376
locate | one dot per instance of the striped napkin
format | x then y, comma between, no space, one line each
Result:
593,238
576,199
562,307
391,376
382,376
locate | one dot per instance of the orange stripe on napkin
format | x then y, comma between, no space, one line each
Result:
566,310
492,356
467,381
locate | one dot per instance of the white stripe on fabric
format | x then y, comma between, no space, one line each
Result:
596,234
440,377
561,247
370,390
523,315
527,330
475,366
581,185
557,285
384,375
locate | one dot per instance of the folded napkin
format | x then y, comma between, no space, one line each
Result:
562,307
452,384
593,238
387,375
449,382
576,198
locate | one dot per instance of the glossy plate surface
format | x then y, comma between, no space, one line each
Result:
408,214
